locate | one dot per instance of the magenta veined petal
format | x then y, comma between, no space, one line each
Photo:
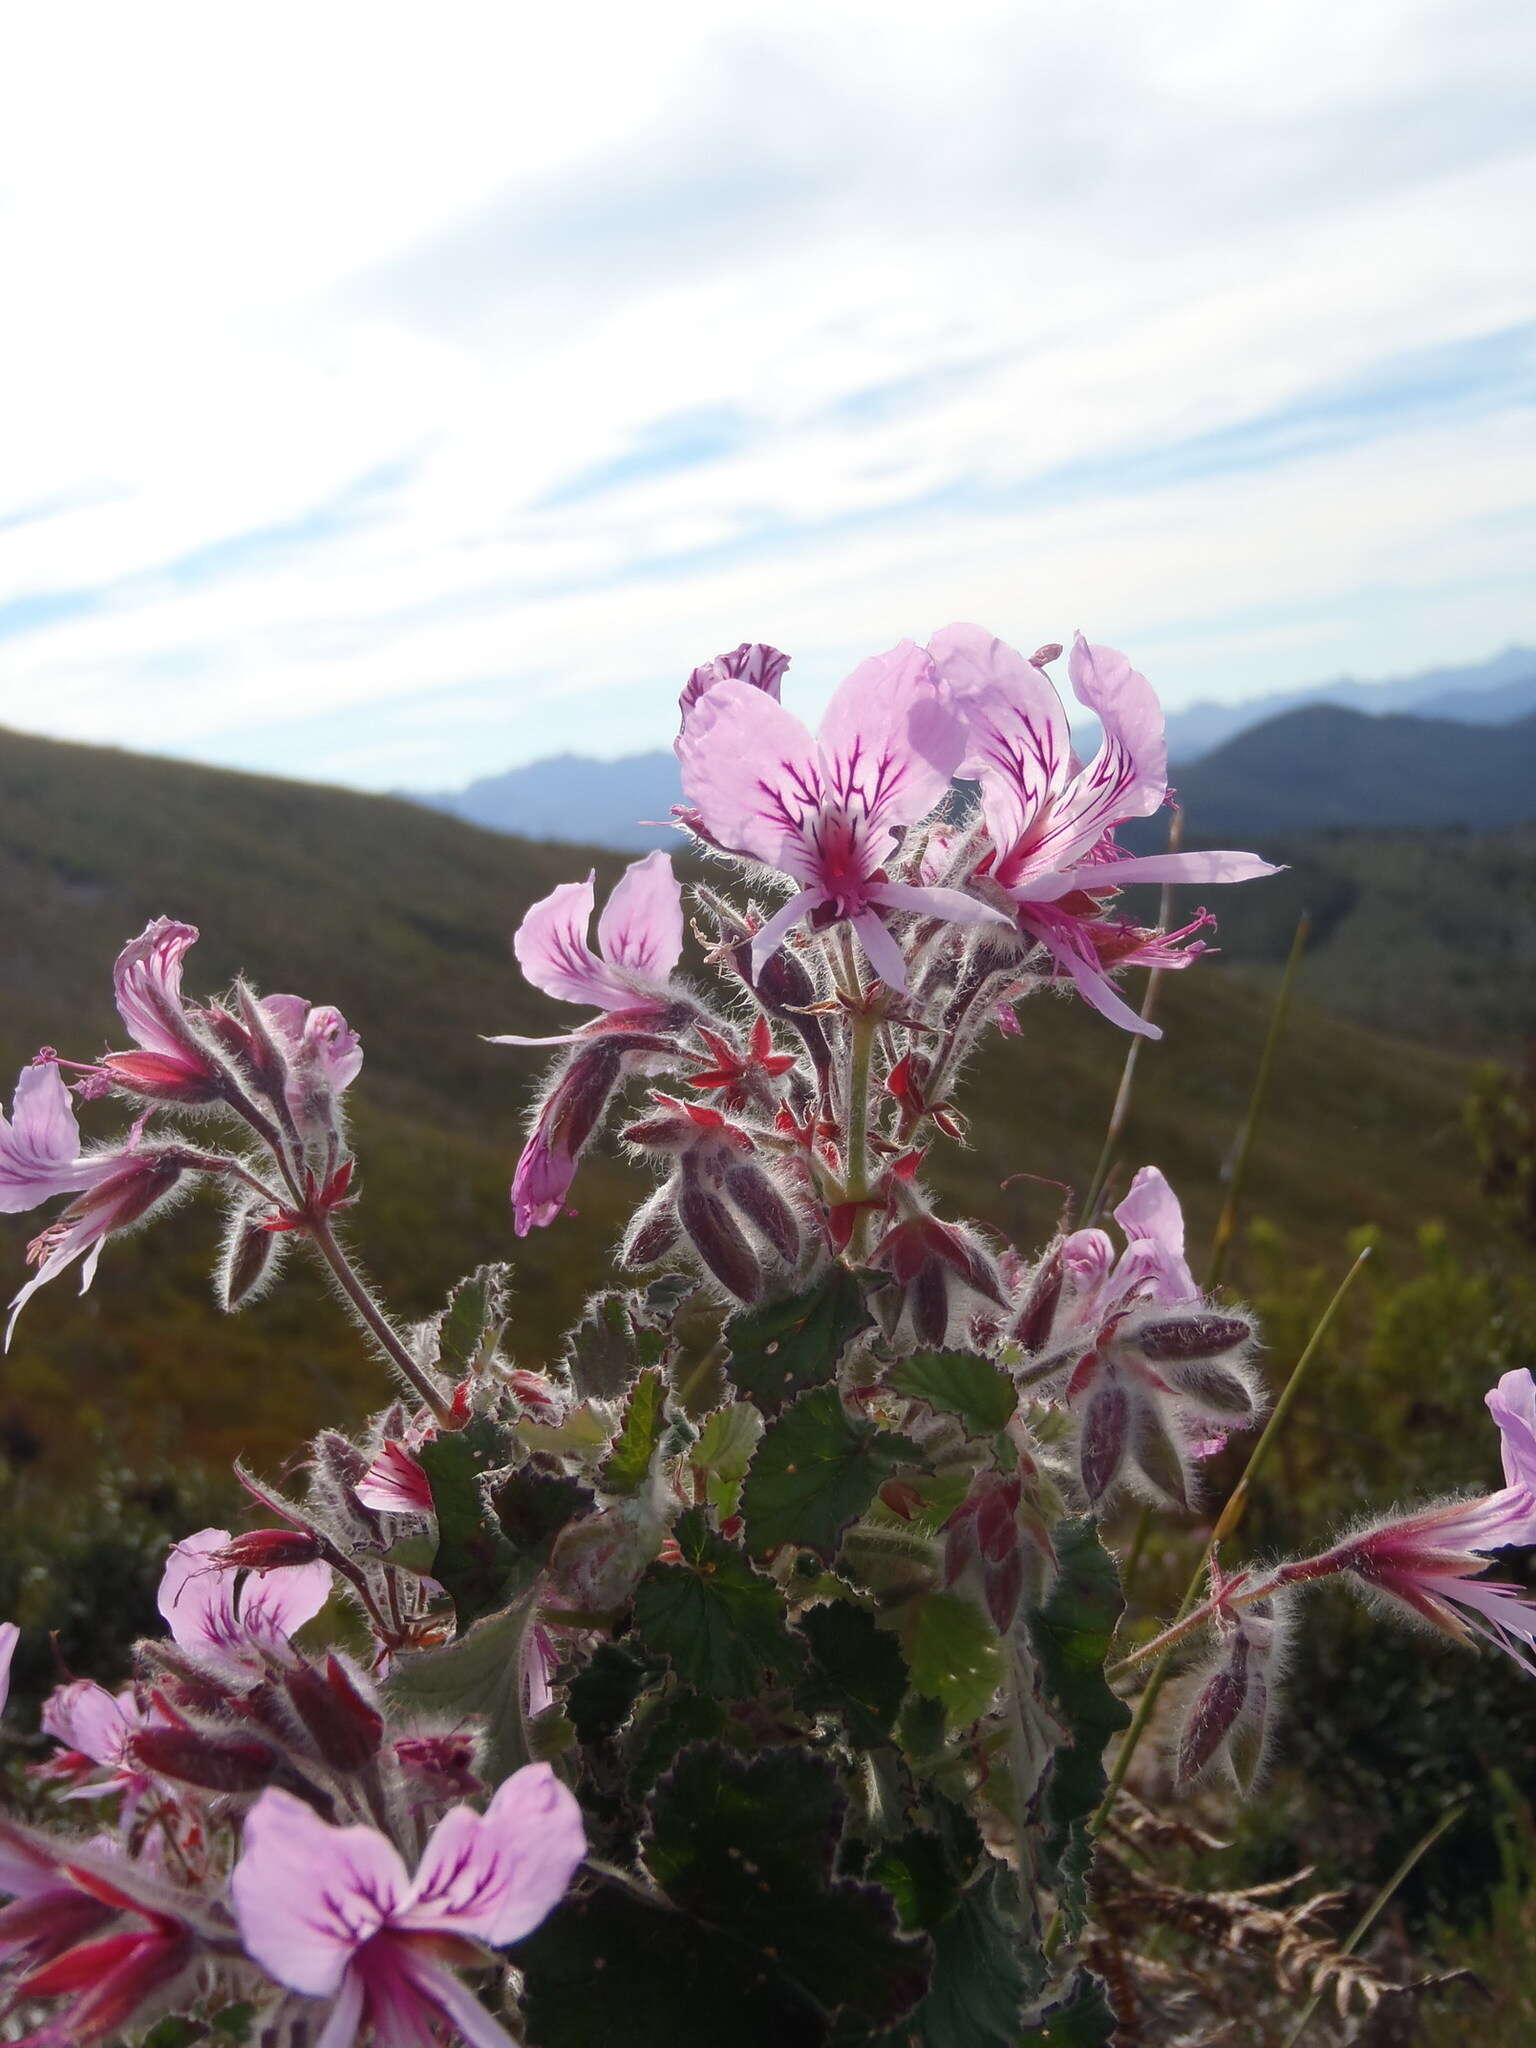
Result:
495,1876
307,1895
1018,742
891,741
40,1146
753,773
641,928
147,980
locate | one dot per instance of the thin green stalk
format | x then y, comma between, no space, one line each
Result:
1227,1222
1227,1521
1368,1918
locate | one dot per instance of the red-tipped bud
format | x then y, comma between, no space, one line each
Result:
445,1762
901,1497
346,1728
1032,1325
268,1550
983,1534
213,1763
538,1394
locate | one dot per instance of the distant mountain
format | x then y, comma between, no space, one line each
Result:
1323,767
577,798
1485,693
573,797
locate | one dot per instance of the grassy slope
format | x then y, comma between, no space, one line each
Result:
401,917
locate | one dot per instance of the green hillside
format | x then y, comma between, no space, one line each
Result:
402,918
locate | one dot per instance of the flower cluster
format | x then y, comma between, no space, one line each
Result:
741,1668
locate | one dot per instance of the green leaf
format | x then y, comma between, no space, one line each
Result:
953,1654
1080,2018
630,1459
601,1697
174,2032
1072,1634
601,1350
531,1509
746,1844
721,1623
473,1560
473,1318
661,1731
957,1383
779,1351
857,1670
608,1967
724,1452
478,1673
816,1470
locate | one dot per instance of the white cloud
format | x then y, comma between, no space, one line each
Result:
327,324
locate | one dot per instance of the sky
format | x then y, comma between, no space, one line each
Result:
393,395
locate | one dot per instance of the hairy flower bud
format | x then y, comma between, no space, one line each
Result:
346,1728
250,1257
214,1763
754,1194
267,1550
653,1231
718,1238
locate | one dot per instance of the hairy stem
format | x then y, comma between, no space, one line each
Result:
374,1320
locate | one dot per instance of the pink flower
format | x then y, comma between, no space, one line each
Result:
333,1912
1147,1368
324,1057
173,1064
1429,1562
96,1726
395,1484
639,943
1051,821
826,811
234,1619
40,1154
125,1187
752,662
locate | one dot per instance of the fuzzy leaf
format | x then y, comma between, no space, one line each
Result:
476,1311
601,1697
724,1452
958,1383
641,1431
601,1350
816,1470
779,1351
531,1509
721,1623
1080,2018
666,1728
474,1560
479,1673
747,1844
606,1966
857,1670
953,1654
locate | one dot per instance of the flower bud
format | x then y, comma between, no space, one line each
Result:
249,1260
1192,1337
345,1728
718,1239
755,1195
652,1233
213,1763
267,1550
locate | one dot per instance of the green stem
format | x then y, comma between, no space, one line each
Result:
374,1320
1226,1522
1227,1222
1367,1920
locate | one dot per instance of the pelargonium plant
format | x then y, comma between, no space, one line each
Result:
737,1675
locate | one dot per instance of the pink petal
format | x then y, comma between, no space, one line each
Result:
464,2013
275,1605
1151,1217
340,2030
753,773
1126,706
953,905
768,940
10,1635
1057,935
85,1717
197,1599
891,740
1512,1404
552,950
147,980
1018,743
881,950
1152,867
495,1876
307,1896
395,1484
40,1146
641,928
